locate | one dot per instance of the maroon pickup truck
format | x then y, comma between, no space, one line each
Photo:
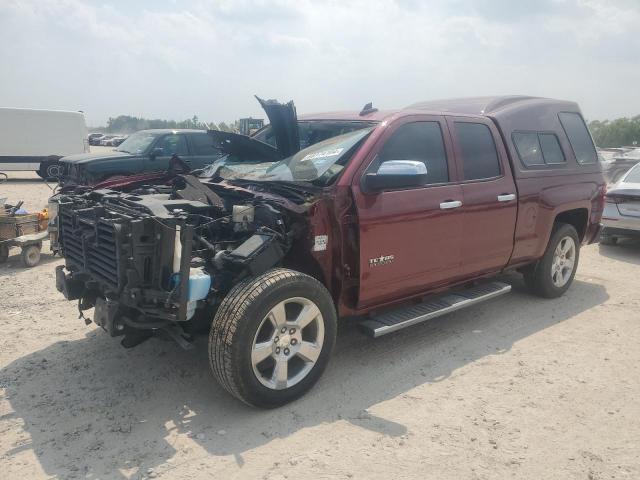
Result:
397,217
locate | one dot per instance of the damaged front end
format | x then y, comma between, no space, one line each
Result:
163,257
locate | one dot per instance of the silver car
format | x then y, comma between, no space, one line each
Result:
621,217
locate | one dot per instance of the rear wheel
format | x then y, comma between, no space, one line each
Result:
272,337
553,274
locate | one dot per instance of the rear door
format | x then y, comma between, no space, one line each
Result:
203,150
489,194
410,238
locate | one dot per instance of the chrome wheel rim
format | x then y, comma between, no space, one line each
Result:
288,343
564,260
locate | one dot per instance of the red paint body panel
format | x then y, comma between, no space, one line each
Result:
436,249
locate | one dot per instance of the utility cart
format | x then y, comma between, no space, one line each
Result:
25,231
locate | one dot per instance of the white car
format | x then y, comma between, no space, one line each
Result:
621,216
106,140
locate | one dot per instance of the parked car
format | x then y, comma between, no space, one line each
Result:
35,140
143,151
395,223
105,141
116,141
621,217
94,138
622,162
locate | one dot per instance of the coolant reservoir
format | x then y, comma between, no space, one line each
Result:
199,284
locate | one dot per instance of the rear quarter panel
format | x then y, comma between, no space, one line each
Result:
542,199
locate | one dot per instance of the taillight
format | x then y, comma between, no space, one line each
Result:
603,196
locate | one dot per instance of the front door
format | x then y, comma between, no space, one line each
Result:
489,194
167,146
410,238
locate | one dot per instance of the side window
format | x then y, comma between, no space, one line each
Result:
528,148
551,150
579,137
536,149
173,144
479,154
421,141
202,144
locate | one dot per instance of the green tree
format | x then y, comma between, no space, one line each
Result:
616,133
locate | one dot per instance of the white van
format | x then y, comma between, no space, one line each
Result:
37,139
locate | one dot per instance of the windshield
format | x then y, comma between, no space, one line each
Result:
319,163
137,143
634,175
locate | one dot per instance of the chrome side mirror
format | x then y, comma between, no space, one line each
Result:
395,174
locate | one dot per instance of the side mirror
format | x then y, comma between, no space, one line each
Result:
394,174
156,152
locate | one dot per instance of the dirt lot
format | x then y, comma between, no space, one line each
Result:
516,388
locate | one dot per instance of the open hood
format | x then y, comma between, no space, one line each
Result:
284,123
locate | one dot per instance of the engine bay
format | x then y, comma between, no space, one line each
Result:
156,254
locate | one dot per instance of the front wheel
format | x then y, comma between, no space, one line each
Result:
553,274
272,337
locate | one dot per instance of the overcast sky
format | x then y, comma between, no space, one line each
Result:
173,59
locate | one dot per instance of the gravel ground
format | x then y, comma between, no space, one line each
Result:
516,388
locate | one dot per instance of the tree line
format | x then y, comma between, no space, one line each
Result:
129,124
616,133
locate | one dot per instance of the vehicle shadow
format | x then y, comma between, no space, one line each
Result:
626,250
91,406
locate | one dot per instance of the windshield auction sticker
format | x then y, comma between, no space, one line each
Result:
323,154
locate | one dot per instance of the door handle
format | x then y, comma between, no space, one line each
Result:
450,204
506,197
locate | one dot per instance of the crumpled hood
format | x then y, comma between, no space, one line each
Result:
79,158
284,123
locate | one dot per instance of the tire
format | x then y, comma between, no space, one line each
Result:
30,255
550,277
247,343
50,168
4,253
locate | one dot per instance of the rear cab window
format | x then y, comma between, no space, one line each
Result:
538,148
579,137
477,150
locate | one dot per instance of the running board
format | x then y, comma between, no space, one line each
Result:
393,320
